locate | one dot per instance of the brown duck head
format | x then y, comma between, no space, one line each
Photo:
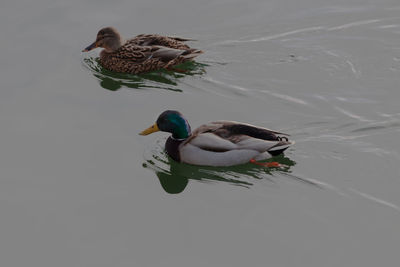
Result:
107,38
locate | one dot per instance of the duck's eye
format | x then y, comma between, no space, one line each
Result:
162,121
103,36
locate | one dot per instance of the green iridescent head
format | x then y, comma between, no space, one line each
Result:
170,121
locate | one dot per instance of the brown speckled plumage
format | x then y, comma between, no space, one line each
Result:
155,39
131,58
142,53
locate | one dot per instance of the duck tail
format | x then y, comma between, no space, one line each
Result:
280,147
181,39
191,53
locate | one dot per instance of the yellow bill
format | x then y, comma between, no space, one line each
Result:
151,129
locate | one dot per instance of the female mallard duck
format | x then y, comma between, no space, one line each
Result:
141,54
219,143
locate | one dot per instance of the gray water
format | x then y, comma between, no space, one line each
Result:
80,187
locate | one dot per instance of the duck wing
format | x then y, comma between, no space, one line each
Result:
167,54
233,128
222,136
227,143
140,54
155,39
247,136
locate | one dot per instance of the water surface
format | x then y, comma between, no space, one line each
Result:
80,187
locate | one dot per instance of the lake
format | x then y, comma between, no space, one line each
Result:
80,187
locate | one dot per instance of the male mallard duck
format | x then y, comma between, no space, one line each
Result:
143,53
219,143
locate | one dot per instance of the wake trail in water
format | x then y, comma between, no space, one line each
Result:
343,192
233,88
353,24
242,91
352,115
286,97
274,36
375,199
314,29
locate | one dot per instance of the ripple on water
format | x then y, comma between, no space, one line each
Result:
162,79
378,126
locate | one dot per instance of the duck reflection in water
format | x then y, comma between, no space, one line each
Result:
161,79
174,176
